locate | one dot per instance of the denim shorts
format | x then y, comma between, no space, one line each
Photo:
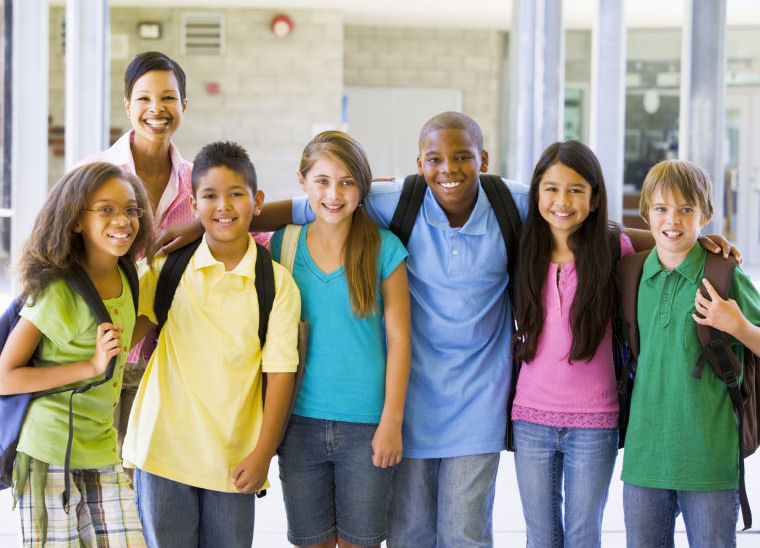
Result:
330,485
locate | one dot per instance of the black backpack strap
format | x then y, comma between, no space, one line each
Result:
265,292
264,289
716,349
409,203
628,280
130,271
168,280
78,279
508,217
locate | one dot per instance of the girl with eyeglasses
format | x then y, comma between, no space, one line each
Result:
92,217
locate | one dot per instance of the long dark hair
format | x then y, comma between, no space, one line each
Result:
53,246
363,242
594,300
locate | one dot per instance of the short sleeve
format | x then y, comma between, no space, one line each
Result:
148,275
56,313
301,211
746,295
392,253
280,352
275,244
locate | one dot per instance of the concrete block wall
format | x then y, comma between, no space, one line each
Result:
426,57
272,91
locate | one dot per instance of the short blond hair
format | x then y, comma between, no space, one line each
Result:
692,182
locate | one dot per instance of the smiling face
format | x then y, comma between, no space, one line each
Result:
332,191
224,203
564,200
451,162
109,224
155,108
675,225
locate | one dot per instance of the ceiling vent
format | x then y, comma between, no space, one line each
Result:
202,33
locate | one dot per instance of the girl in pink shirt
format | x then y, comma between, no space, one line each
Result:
565,409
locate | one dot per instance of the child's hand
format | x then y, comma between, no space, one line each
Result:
107,345
386,446
721,314
249,476
715,243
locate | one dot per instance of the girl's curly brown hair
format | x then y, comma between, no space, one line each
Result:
53,246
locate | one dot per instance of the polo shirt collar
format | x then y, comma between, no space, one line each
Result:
476,224
690,268
202,258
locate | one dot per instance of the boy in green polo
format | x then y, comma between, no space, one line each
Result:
681,448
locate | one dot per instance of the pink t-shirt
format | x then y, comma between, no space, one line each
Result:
552,391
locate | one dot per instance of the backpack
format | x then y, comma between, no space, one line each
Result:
715,349
13,407
166,286
507,215
614,242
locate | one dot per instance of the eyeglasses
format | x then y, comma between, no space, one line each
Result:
109,212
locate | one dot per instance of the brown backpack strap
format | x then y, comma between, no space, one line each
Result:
719,271
727,367
628,280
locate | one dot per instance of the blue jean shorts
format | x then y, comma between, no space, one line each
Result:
330,485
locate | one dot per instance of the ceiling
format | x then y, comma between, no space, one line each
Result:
470,13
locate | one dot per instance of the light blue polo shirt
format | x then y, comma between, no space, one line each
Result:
456,403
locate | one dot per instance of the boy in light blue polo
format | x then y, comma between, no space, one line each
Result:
455,414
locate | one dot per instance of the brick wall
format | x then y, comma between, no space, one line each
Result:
427,57
271,91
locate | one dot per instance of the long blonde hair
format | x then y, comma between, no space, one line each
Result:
53,246
363,243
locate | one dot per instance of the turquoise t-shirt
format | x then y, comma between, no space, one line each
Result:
344,377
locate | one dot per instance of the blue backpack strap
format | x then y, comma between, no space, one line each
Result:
168,280
409,203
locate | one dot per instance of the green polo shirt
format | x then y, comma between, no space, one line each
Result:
682,434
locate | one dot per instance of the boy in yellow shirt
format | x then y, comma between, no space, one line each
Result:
199,435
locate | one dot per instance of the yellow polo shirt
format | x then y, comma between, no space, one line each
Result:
198,408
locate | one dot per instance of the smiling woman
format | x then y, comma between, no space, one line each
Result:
155,101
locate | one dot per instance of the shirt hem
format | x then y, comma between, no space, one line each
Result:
443,453
676,486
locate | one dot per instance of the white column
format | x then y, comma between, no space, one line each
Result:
703,93
607,118
537,61
87,78
29,135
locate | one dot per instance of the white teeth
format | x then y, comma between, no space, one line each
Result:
562,215
333,207
224,221
672,233
119,236
157,123
451,184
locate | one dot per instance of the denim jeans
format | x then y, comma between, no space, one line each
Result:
650,516
177,515
330,485
443,503
584,459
